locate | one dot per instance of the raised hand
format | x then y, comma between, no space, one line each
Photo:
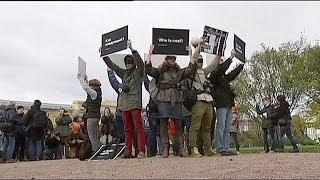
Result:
130,44
151,49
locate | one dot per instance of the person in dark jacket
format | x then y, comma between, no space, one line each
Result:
108,125
130,101
152,114
19,149
268,119
93,105
11,117
170,96
53,147
36,122
224,97
64,130
284,118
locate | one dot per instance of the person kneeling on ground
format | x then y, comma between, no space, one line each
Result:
53,146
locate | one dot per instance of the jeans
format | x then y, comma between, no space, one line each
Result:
286,130
20,146
271,132
8,146
93,131
224,118
154,124
35,149
120,128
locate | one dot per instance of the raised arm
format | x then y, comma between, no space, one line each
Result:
137,58
234,73
212,66
153,72
85,85
115,84
113,66
146,82
259,111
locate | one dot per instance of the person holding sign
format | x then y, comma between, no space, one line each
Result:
169,96
93,102
130,100
202,111
224,99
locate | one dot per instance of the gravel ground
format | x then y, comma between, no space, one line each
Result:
244,166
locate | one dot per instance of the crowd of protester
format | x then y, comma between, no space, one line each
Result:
191,109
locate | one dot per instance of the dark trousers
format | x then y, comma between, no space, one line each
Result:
120,128
165,137
186,122
154,124
234,137
286,130
20,147
271,132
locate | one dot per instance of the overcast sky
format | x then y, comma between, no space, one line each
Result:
40,41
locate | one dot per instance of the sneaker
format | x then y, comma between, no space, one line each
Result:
141,155
183,153
10,161
208,152
127,155
296,150
238,152
195,152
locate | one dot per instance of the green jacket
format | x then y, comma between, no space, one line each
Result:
131,77
63,125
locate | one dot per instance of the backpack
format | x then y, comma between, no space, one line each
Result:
5,127
37,127
189,94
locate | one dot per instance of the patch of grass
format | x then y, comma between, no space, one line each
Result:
287,149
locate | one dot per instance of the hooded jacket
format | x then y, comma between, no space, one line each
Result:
133,79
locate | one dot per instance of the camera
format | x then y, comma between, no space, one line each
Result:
207,84
123,88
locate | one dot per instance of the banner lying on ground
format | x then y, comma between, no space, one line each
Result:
240,47
170,41
215,41
114,41
109,151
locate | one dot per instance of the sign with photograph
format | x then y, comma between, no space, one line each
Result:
214,41
170,41
114,41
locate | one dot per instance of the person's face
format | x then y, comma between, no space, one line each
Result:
79,119
171,61
265,102
107,112
200,63
20,111
129,66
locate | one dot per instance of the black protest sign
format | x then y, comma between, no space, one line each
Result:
109,151
114,41
240,47
170,41
214,41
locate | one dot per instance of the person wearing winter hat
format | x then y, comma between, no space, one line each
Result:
284,118
170,96
130,100
93,104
